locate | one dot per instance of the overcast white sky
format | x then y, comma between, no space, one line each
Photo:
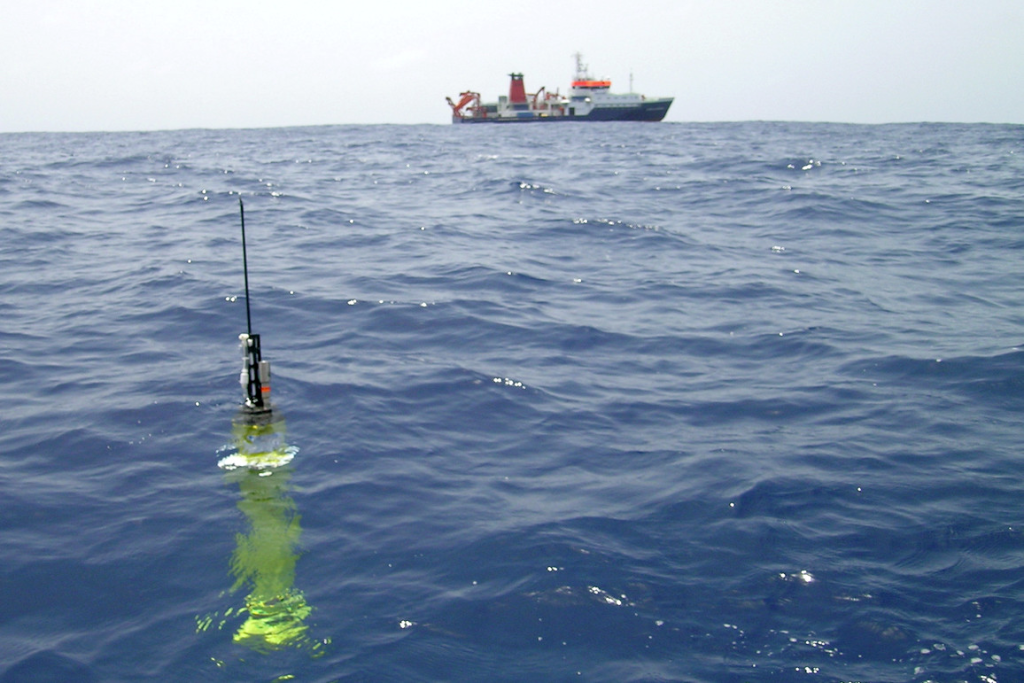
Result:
89,65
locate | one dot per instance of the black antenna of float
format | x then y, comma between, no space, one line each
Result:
245,269
255,377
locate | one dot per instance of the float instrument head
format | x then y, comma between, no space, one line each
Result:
255,377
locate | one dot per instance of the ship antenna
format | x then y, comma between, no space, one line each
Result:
581,68
255,377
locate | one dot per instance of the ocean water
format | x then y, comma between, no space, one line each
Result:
580,402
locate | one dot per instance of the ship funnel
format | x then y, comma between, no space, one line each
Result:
517,92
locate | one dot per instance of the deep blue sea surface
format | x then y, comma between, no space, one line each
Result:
578,402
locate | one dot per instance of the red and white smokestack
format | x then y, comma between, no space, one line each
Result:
517,92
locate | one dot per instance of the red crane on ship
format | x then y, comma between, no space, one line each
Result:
467,98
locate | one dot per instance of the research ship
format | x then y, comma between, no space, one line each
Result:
589,99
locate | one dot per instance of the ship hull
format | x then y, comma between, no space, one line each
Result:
650,110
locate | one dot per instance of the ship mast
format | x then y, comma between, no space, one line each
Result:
581,68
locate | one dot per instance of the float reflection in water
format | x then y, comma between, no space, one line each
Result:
264,558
